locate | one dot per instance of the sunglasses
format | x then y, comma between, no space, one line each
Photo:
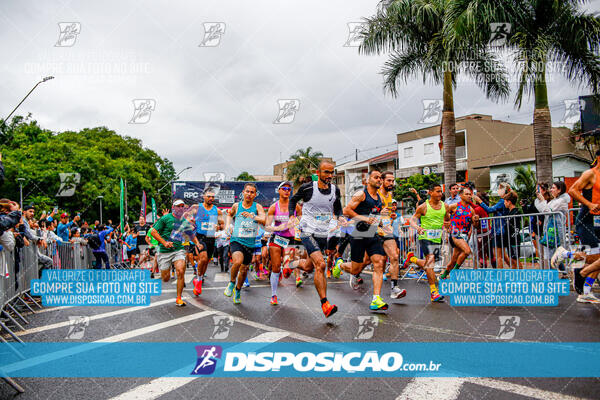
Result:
287,189
180,205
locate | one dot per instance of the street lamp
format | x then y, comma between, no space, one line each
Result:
100,198
26,96
176,176
21,180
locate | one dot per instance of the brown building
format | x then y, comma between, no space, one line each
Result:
481,143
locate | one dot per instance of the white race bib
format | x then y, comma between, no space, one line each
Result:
596,221
432,234
281,241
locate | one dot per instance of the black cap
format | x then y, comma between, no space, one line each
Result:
28,207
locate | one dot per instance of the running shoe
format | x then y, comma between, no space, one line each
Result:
337,271
444,274
359,280
298,282
436,297
587,298
197,287
286,272
246,283
384,277
397,293
328,309
179,302
274,300
407,261
328,272
378,304
353,282
578,280
237,296
229,289
151,275
559,256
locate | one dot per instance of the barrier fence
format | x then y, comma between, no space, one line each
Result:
515,241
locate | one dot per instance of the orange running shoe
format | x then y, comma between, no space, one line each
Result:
328,309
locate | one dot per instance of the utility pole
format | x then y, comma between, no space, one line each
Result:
356,154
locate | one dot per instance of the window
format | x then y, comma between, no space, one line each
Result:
408,152
461,145
428,148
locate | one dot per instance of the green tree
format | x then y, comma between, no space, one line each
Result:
245,177
99,155
305,162
525,184
415,32
543,34
419,182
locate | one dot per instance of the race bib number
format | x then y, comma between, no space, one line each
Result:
281,241
206,226
433,234
247,229
596,221
323,217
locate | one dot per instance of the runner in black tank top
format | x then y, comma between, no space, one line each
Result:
364,208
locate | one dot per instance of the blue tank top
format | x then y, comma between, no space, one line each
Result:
206,220
245,230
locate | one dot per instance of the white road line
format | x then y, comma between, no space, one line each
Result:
92,318
432,388
43,310
115,338
258,325
155,327
520,389
222,277
162,386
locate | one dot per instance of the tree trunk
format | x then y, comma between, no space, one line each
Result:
448,134
542,132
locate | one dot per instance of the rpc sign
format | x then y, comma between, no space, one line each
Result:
226,193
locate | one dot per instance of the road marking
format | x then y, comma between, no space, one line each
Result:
155,327
258,325
520,389
52,309
92,318
161,386
432,388
115,338
222,277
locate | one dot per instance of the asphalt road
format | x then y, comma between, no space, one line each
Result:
298,318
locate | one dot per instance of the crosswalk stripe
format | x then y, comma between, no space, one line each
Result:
92,317
432,388
111,339
522,390
161,386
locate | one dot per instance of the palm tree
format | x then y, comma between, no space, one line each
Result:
305,161
414,31
245,177
525,184
543,33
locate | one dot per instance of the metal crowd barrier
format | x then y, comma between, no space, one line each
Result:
518,241
20,266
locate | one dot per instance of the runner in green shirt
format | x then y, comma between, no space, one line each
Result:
171,230
428,221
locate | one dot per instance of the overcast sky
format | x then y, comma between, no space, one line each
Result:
215,105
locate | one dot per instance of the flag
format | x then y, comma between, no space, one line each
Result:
153,211
143,209
121,209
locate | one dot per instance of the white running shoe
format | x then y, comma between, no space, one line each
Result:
559,256
397,293
353,282
588,298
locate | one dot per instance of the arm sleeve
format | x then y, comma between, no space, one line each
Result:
9,220
337,205
304,193
497,207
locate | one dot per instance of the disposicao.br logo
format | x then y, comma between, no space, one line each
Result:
207,359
